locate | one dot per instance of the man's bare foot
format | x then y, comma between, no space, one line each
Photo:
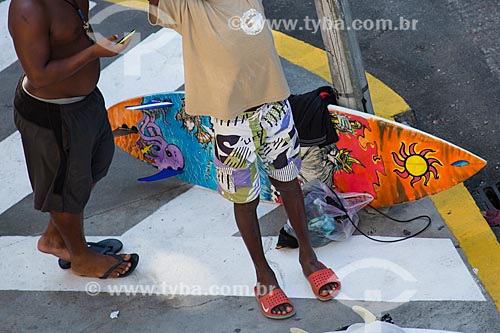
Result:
53,245
267,282
310,264
96,265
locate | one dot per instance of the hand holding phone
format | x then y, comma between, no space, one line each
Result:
111,46
127,36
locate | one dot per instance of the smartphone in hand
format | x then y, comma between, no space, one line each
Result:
127,36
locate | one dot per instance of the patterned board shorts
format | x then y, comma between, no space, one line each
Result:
265,136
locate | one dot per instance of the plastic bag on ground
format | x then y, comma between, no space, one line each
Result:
330,214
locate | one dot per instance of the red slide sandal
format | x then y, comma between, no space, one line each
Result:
271,300
321,278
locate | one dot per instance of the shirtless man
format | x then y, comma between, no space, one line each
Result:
63,122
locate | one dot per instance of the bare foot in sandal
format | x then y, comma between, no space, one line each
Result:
104,265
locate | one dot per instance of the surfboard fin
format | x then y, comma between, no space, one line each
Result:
367,316
163,174
124,130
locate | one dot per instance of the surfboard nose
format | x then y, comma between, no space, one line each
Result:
394,162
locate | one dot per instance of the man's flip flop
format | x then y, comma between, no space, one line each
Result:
271,300
109,245
134,260
321,278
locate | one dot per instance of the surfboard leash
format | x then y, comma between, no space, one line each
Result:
428,218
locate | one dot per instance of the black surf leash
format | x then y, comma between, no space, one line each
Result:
428,218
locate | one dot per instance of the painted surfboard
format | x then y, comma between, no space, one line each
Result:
392,162
157,130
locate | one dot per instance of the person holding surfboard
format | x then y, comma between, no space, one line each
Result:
233,74
64,127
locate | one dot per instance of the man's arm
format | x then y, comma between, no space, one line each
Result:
166,13
29,27
153,11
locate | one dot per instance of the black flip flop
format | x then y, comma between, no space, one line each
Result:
134,261
109,245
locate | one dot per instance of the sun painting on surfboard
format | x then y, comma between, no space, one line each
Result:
416,164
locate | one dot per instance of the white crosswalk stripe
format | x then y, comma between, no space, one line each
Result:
13,172
194,253
8,54
154,65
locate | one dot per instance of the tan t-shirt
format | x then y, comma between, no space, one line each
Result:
230,62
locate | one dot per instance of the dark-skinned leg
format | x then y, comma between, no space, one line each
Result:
248,225
84,261
51,241
293,201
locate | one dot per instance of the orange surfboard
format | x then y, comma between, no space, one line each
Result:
393,162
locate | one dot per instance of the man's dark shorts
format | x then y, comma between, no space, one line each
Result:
68,148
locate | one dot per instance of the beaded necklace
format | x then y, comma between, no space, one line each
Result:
86,25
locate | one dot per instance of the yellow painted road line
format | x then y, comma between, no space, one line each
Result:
480,245
386,102
135,4
456,206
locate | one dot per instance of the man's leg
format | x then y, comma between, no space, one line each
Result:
84,261
51,242
293,201
248,225
238,180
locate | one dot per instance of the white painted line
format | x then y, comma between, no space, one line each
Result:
8,54
154,65
13,172
408,330
190,252
372,271
212,218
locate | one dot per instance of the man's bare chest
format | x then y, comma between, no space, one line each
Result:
68,21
